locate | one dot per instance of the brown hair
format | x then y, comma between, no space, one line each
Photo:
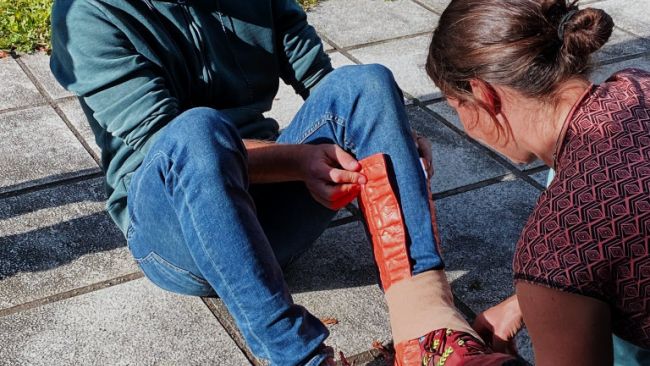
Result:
529,45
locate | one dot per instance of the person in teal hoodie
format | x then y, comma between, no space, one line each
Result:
211,196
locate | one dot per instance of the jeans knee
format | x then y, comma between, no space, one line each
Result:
372,81
204,128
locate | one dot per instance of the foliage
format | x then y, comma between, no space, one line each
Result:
24,24
306,4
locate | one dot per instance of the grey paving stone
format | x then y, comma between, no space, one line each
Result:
456,162
449,114
17,89
349,23
406,58
130,324
336,279
440,5
621,44
540,177
631,15
39,148
287,103
603,72
56,240
437,5
479,230
39,64
72,109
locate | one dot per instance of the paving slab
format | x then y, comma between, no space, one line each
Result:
449,114
440,5
287,103
479,230
540,177
17,89
437,5
72,109
621,44
456,161
603,72
349,23
56,240
631,15
39,148
406,58
129,324
39,64
337,279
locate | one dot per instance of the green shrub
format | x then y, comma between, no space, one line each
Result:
25,24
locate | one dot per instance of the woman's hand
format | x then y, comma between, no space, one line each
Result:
331,174
499,325
424,151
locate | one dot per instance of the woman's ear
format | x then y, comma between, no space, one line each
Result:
486,95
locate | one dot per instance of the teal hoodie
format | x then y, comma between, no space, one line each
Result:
137,64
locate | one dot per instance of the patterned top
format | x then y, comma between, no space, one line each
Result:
590,231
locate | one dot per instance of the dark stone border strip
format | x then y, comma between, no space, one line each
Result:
387,40
24,107
220,312
478,185
24,188
71,293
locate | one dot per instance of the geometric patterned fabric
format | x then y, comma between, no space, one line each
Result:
590,231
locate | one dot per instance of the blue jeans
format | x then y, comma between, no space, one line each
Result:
625,353
198,228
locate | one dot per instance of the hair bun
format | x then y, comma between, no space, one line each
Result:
586,32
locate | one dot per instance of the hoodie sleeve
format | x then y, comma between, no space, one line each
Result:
92,58
303,62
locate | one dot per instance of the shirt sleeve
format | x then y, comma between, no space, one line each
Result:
92,58
303,62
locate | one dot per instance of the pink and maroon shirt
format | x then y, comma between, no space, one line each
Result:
590,231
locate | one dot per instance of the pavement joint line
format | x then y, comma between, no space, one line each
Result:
56,108
49,185
69,98
387,40
22,108
340,49
434,101
342,221
536,170
224,318
615,60
509,177
71,293
427,7
498,158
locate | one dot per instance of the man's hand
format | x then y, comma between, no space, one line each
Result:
424,151
499,325
331,174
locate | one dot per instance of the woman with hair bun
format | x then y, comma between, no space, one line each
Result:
516,73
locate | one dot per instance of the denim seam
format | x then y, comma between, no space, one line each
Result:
218,273
327,118
153,256
154,158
